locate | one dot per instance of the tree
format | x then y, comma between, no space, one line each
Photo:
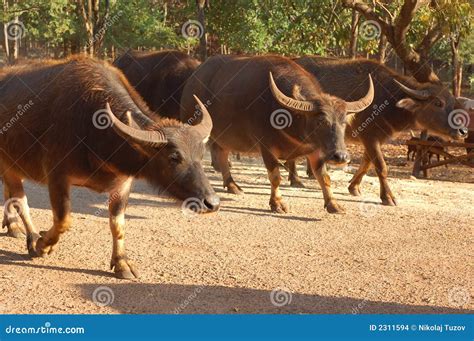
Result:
395,28
202,50
94,22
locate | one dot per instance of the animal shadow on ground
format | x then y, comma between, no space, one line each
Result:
141,298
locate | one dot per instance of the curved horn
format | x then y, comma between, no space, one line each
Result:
364,102
418,94
152,138
205,126
288,102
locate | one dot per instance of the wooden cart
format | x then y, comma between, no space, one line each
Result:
424,147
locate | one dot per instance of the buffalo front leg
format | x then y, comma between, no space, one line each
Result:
276,200
293,177
375,154
354,186
118,199
222,159
59,190
320,172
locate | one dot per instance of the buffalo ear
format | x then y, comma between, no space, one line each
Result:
407,104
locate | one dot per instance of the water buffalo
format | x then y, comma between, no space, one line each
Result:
272,106
400,103
158,77
86,126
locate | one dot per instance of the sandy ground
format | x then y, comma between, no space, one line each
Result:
414,258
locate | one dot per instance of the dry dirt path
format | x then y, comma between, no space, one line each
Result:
414,258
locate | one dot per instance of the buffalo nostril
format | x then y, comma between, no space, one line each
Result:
212,203
340,157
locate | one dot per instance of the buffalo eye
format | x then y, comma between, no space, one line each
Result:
438,103
175,158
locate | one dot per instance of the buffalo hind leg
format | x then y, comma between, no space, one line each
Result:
276,201
118,199
320,172
375,154
293,177
222,158
18,202
354,186
10,216
59,191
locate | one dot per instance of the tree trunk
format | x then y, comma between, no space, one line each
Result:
383,45
202,50
456,66
354,34
6,44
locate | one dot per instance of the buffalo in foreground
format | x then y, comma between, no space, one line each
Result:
272,106
86,126
400,103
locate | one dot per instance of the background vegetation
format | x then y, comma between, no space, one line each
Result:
437,33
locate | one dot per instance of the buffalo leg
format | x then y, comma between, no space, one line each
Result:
10,219
222,158
375,154
309,171
293,177
276,201
118,199
320,172
59,191
17,200
354,186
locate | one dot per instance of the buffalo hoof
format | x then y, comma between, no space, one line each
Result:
296,183
15,230
123,268
43,247
31,241
355,191
233,188
278,207
334,207
389,201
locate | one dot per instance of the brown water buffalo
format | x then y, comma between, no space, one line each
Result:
400,103
158,77
466,116
272,106
82,124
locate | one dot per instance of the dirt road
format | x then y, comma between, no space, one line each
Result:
414,258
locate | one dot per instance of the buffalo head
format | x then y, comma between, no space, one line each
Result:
325,119
172,155
434,109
